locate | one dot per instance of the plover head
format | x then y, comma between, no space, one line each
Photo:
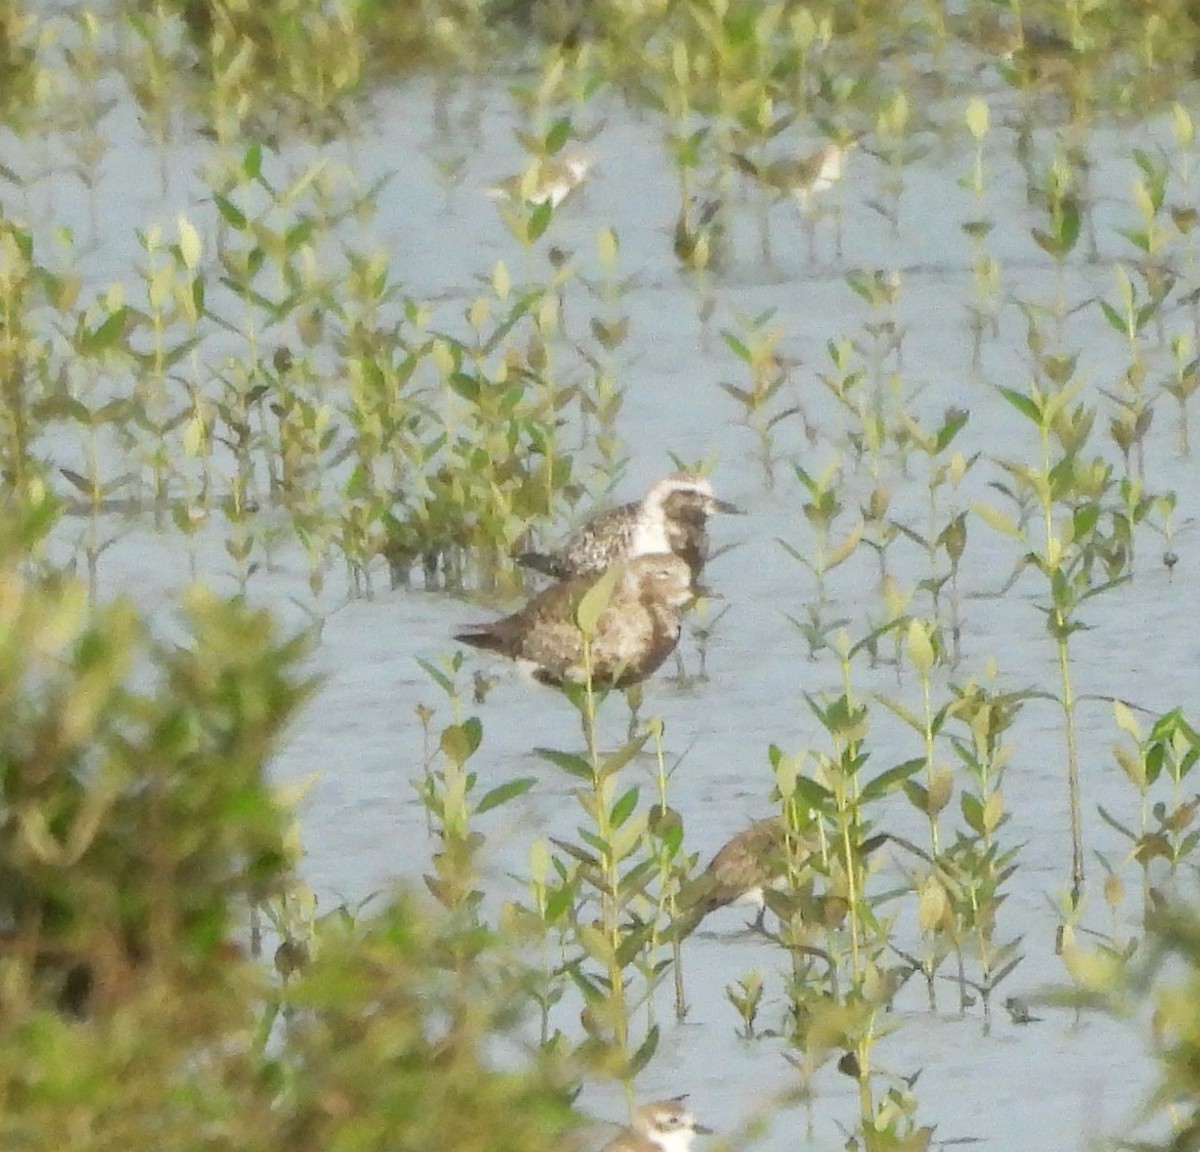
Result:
668,1124
679,497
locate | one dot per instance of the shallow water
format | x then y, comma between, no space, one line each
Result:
1059,1083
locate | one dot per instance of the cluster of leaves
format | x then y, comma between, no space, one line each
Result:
138,830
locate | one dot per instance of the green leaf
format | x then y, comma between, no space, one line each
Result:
888,780
503,793
230,213
816,797
613,763
972,810
252,161
595,600
953,423
998,520
1068,233
571,764
586,858
1114,318
539,220
1113,822
1022,404
558,901
108,333
624,807
977,117
737,347
81,482
626,839
596,945
645,1052
1046,242
559,134
459,741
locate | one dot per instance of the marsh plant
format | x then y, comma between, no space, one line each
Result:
755,344
121,951
842,982
1156,763
984,308
1074,495
826,550
943,538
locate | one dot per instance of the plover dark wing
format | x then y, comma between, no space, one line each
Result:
635,633
606,538
672,517
663,1126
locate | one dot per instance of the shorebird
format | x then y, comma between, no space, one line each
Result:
741,871
803,177
664,1126
672,517
635,633
750,863
547,180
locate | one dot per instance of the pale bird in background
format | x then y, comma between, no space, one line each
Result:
805,178
549,180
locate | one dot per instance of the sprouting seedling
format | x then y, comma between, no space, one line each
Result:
946,531
1060,197
1160,758
986,268
1074,500
755,345
611,866
1181,385
746,997
448,788
821,509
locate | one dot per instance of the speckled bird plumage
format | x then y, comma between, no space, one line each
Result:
672,517
635,633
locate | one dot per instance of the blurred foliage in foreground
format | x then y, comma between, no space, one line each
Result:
138,831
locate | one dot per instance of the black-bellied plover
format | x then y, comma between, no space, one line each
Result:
757,859
664,1126
672,517
637,630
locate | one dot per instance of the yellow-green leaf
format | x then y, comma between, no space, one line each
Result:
595,601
